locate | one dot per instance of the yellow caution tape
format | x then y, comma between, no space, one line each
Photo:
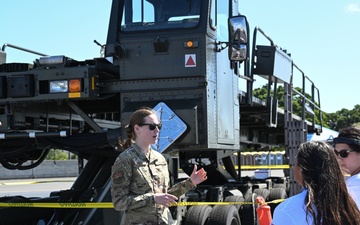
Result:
110,205
59,205
254,167
224,203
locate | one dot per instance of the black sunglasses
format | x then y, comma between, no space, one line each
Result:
152,126
343,153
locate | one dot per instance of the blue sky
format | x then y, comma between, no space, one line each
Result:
322,36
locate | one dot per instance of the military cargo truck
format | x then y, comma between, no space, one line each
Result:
188,60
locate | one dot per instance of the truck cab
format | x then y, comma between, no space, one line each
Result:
173,49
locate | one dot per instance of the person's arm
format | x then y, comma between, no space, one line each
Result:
196,177
122,199
181,187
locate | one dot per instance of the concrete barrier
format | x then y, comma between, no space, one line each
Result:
47,169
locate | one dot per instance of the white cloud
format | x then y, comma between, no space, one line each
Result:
353,7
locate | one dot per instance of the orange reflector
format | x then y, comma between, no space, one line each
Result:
74,85
189,44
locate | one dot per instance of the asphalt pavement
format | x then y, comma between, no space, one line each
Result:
36,187
36,180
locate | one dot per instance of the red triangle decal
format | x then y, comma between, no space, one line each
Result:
190,62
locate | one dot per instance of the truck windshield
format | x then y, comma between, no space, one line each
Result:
139,15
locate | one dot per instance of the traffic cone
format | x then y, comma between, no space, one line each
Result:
263,212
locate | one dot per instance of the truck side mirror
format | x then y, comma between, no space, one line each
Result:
238,33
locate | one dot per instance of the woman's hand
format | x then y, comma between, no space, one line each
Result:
198,176
165,199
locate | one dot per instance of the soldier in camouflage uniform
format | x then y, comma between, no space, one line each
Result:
140,177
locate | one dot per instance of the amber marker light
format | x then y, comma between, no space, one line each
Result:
74,85
189,44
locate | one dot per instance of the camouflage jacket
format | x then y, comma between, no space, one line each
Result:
135,179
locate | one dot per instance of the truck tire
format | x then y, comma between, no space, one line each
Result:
235,199
224,215
276,193
263,193
198,215
248,214
281,185
282,182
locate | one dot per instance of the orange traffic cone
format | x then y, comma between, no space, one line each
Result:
263,212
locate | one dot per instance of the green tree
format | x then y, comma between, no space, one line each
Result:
344,118
297,101
335,121
57,154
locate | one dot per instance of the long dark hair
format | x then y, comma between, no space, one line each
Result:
136,118
327,199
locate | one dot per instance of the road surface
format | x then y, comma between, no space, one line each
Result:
41,187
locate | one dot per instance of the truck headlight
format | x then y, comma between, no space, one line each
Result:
59,86
63,86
